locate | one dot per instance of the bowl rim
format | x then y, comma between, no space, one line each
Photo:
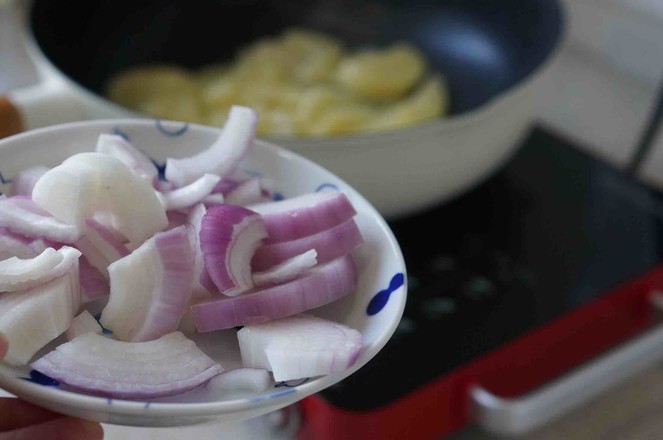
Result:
36,392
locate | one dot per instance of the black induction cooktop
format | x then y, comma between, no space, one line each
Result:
552,230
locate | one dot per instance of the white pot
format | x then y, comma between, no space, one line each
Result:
401,172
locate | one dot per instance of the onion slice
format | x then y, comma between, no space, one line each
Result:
18,274
87,183
25,180
100,365
195,220
83,323
15,245
329,245
246,193
223,156
32,318
150,288
101,246
299,346
192,193
229,236
120,148
297,217
286,271
214,199
253,380
22,216
94,284
319,286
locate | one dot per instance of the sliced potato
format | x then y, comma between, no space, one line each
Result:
266,59
160,90
341,119
308,41
319,54
301,82
382,74
427,102
313,101
276,122
222,91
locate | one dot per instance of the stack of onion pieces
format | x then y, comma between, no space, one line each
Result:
206,247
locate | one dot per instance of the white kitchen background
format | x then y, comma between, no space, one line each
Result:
599,94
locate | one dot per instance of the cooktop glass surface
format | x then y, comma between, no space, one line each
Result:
553,229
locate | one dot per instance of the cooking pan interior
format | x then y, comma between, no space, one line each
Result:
483,47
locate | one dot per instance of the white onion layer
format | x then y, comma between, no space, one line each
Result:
150,288
87,183
299,346
223,156
120,148
100,365
18,274
287,270
24,181
32,318
189,195
22,216
83,323
253,380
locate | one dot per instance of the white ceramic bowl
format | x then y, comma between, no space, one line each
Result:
379,262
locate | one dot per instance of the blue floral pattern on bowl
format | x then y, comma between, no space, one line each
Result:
381,298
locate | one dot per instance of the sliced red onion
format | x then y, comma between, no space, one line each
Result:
101,246
192,193
94,284
253,380
286,271
246,193
329,245
195,223
19,274
299,346
15,245
83,323
206,282
150,288
319,286
24,181
88,183
103,366
24,217
223,156
32,318
226,185
122,149
176,218
304,215
229,236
